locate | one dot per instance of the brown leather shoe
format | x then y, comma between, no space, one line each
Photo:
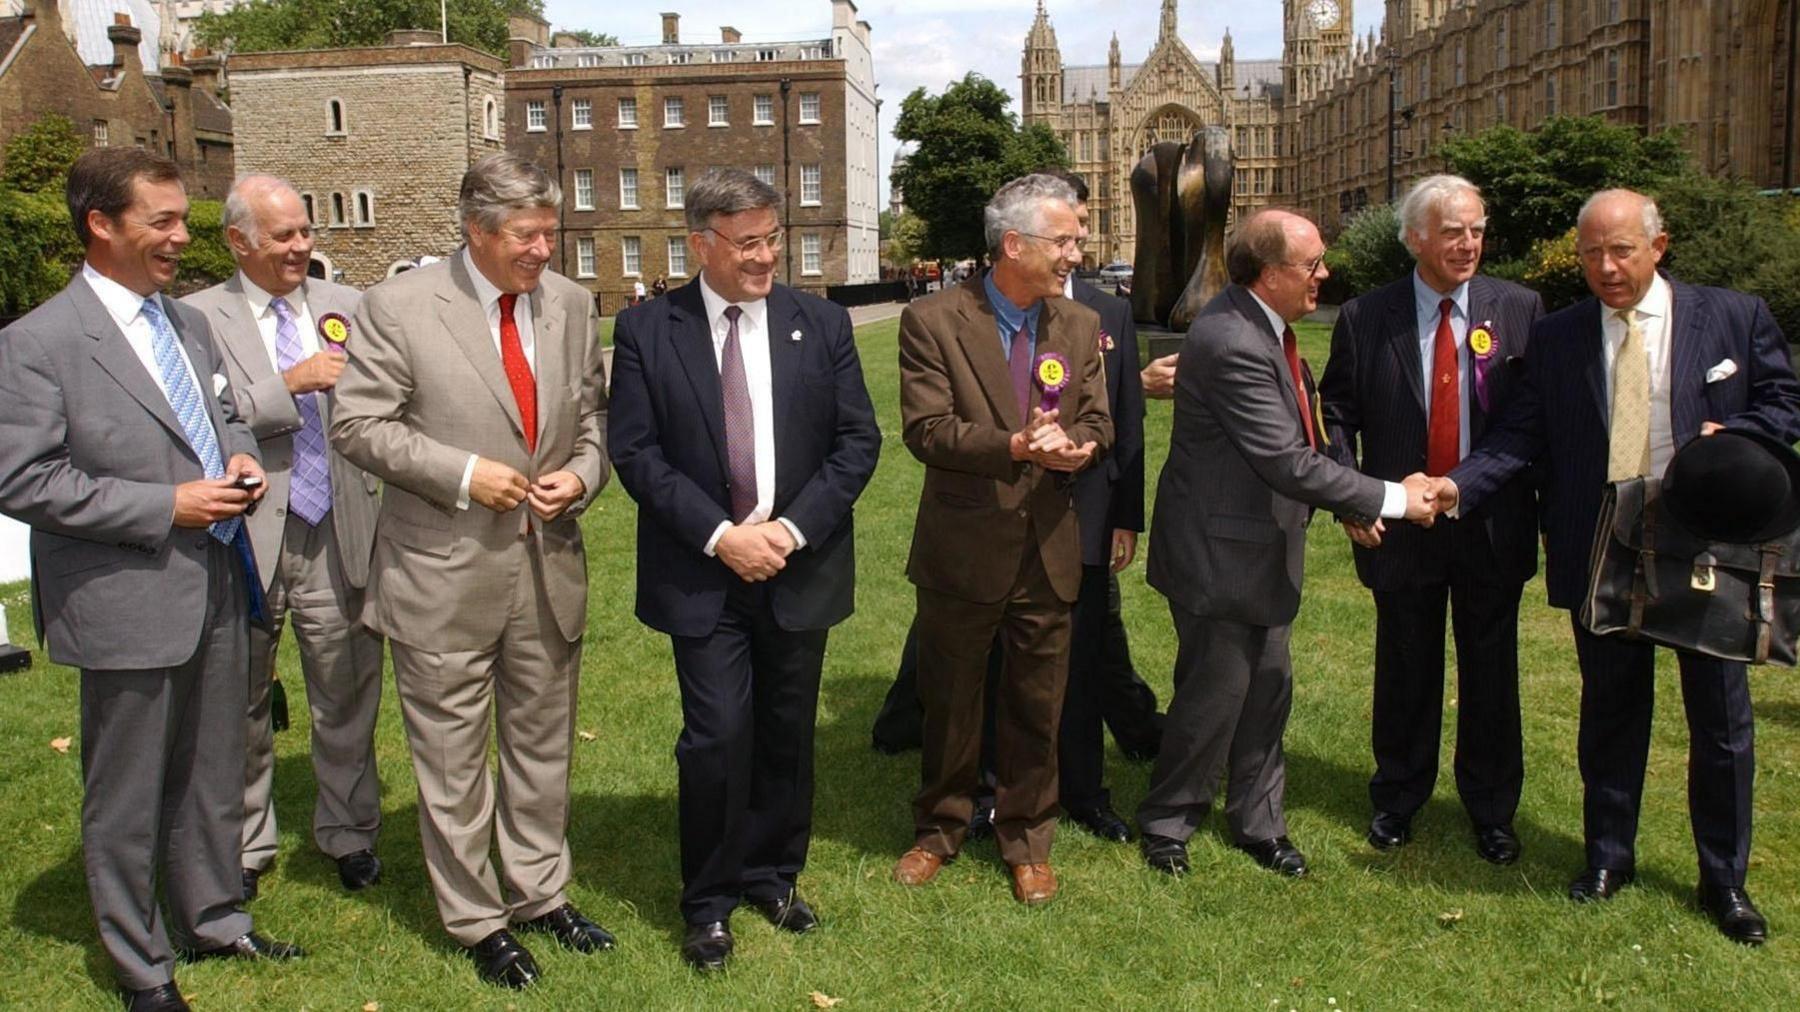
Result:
1033,883
917,867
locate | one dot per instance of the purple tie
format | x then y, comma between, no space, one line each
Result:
1019,363
740,422
309,485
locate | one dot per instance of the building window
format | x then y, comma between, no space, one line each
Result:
724,55
584,258
628,114
581,114
1500,106
490,119
1552,34
584,189
681,57
588,60
628,190
677,257
1612,78
631,253
1549,96
334,117
365,209
338,219
99,133
1502,57
1461,56
535,121
636,59
809,107
674,112
809,254
674,187
718,111
762,110
811,191
765,173
543,61
767,55
306,201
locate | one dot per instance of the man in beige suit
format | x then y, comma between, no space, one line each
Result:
279,332
476,393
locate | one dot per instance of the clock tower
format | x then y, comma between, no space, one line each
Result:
1314,33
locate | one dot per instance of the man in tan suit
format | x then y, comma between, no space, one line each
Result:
477,394
995,548
279,332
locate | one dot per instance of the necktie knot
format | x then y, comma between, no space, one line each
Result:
283,311
1628,316
152,311
507,301
733,312
1444,308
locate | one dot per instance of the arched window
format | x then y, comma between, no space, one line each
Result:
334,116
365,209
338,217
490,119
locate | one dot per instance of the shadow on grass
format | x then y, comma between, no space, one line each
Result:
55,905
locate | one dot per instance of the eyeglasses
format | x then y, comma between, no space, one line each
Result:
1310,267
531,238
1063,244
750,247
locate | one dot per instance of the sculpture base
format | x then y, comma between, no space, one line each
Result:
1159,341
13,658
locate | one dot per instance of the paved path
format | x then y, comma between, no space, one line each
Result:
860,315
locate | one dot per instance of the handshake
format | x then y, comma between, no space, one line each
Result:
1426,498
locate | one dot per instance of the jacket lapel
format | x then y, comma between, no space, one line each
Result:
1403,337
550,366
1590,341
114,355
980,339
239,337
786,358
1481,311
1688,351
464,319
692,340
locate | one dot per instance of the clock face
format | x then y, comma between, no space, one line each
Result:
1324,13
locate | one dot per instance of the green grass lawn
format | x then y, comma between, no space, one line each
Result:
1430,926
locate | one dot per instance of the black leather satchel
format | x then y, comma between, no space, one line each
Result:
1651,579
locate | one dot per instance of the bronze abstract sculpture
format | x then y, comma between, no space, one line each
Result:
1182,193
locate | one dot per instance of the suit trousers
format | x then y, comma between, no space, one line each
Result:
528,678
749,701
955,636
1233,690
1618,688
1409,693
341,661
162,763
1081,747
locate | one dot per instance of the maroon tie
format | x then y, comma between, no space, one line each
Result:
1292,347
518,371
1018,361
740,421
1443,441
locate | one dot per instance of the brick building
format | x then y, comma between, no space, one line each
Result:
375,139
628,128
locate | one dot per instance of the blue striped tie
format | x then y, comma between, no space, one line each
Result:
190,411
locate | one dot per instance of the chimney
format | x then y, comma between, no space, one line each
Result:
730,36
415,37
524,33
671,29
125,38
206,69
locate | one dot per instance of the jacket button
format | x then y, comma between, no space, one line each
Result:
200,542
1024,513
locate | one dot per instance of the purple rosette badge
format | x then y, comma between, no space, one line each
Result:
1051,373
1482,345
335,329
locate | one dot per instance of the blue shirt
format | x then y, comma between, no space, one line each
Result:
1010,318
1425,305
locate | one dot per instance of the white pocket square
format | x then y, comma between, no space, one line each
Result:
1724,370
219,383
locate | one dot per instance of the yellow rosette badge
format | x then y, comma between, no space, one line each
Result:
1052,374
1481,342
335,329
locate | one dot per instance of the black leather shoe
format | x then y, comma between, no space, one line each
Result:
572,929
359,870
1103,822
1737,918
1388,830
1278,855
1497,844
1165,854
789,913
706,945
1598,884
250,877
1141,751
981,824
166,998
886,747
252,946
500,959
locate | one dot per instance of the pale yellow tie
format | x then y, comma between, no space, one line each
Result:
1628,453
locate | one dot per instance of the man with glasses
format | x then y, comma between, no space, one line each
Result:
741,425
1002,399
1246,468
474,390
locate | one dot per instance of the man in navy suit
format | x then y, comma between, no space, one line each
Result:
1613,385
1417,369
741,426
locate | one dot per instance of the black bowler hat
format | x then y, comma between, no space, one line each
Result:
1738,486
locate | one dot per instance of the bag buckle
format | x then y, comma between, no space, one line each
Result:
1703,578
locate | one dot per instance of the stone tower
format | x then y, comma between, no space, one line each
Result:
1041,71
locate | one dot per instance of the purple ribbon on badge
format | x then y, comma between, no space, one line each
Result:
1051,373
1483,346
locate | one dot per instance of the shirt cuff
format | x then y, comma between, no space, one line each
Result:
713,542
1393,500
799,538
462,491
1454,512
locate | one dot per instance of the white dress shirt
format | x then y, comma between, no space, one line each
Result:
266,322
1655,316
1425,306
126,307
489,295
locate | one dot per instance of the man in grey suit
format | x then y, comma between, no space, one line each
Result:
121,447
282,337
1243,476
476,392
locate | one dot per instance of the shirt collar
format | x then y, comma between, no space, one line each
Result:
486,291
1275,321
1011,316
259,299
1069,286
716,304
1427,298
1655,301
121,303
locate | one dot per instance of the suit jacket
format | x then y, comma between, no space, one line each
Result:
1110,495
668,442
1372,395
273,417
1561,414
90,454
423,390
959,412
1229,535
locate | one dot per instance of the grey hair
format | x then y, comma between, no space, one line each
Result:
1652,216
724,192
239,213
1427,195
500,184
1019,206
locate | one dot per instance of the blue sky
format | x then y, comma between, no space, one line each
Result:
929,43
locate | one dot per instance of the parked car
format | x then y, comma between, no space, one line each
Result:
1115,272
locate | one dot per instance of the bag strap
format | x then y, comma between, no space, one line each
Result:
1643,577
1764,615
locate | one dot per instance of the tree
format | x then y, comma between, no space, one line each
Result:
1367,253
1725,233
263,25
906,242
967,145
38,158
590,38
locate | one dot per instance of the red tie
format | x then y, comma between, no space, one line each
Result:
1292,348
1443,442
518,371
